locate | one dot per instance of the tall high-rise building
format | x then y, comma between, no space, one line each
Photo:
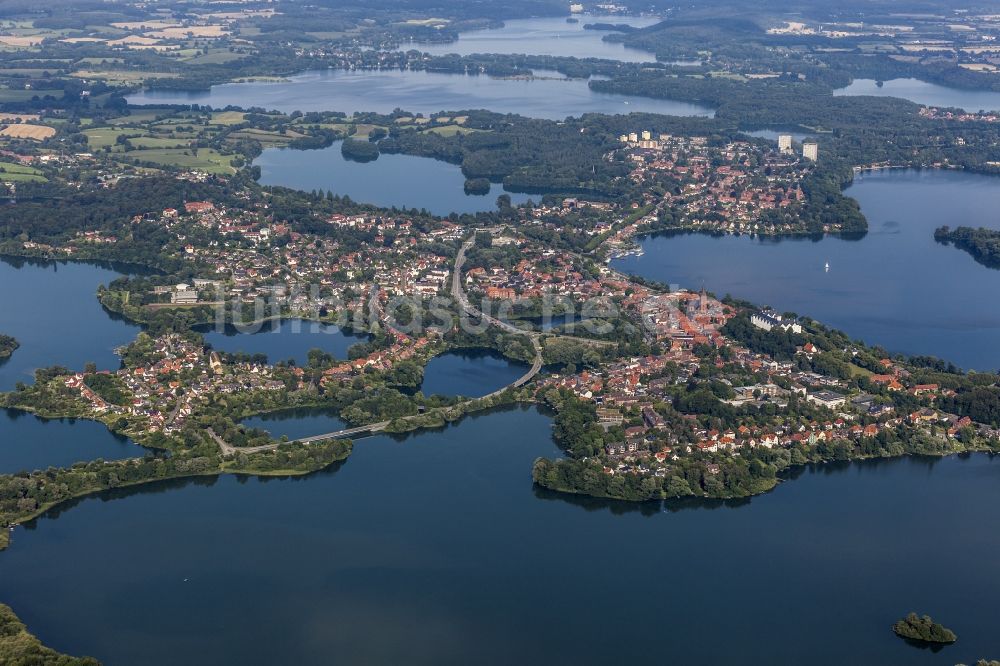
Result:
810,150
785,143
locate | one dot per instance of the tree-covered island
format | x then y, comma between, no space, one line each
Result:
923,630
8,346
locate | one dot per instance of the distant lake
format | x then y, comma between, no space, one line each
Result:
928,94
436,549
546,36
896,287
284,340
28,442
772,135
391,180
383,91
52,310
470,373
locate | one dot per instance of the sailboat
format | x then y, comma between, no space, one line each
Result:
827,267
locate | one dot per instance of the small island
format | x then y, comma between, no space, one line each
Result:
923,630
477,186
7,346
359,151
982,243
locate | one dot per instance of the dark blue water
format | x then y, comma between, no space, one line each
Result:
420,92
52,310
296,423
28,443
547,36
403,181
896,287
284,340
472,374
436,549
930,94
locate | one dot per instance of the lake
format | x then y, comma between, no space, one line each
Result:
928,94
52,310
383,91
547,36
435,548
296,423
391,180
284,340
28,442
470,373
896,287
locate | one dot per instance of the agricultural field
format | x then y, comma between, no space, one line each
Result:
18,117
13,173
144,142
112,76
449,130
227,118
216,57
21,95
203,159
33,132
102,137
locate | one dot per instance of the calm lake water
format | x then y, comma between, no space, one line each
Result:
384,91
547,36
921,92
391,180
284,340
896,287
469,373
28,443
295,423
436,549
52,310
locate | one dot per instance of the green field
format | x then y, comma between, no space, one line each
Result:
101,61
218,57
227,118
207,159
19,95
159,142
102,137
449,130
11,172
137,116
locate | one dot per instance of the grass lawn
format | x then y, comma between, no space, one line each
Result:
858,371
